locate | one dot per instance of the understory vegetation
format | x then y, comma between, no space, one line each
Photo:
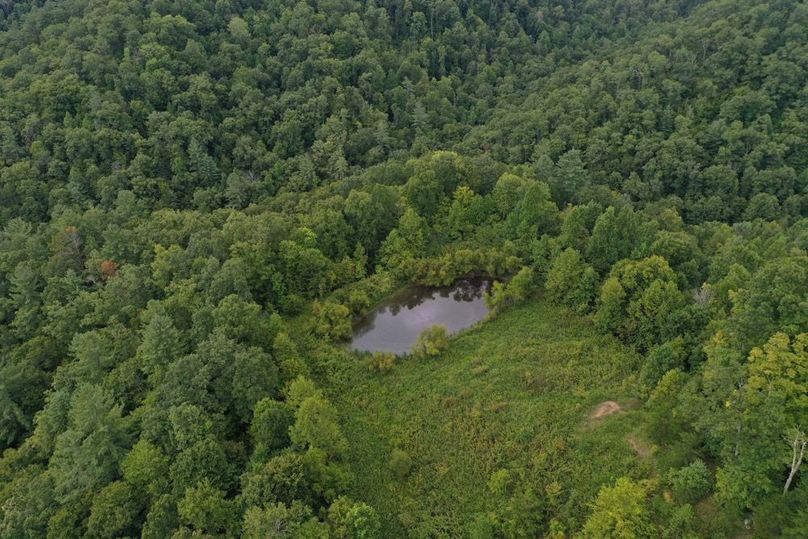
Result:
199,198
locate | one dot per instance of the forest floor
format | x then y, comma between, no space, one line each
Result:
515,393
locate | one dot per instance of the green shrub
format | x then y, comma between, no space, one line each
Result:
680,524
400,463
431,342
669,355
357,301
353,520
332,320
621,511
499,483
381,362
691,483
484,526
572,282
515,291
292,304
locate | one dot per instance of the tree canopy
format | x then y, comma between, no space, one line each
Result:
198,198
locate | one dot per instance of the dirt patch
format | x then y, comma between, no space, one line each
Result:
639,447
605,408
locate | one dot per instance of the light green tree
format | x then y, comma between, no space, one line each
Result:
571,281
205,509
518,289
333,320
114,511
431,342
316,425
621,512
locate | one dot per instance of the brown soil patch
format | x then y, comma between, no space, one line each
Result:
605,408
639,447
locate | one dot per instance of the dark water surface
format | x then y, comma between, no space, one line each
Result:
394,325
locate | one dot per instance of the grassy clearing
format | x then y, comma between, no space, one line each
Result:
514,393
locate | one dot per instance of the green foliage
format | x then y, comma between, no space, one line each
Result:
431,342
316,426
189,424
204,509
381,362
774,299
255,377
691,483
638,300
87,454
282,479
353,520
763,206
508,192
145,467
115,510
535,360
243,321
577,225
405,243
435,177
523,515
667,422
181,181
270,424
667,356
542,253
500,482
569,178
205,460
682,252
681,524
161,342
467,212
458,263
571,281
28,500
535,214
515,291
483,527
290,364
617,234
652,312
332,320
621,511
300,389
67,522
771,403
296,520
162,518
400,463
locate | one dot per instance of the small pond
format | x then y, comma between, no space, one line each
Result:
394,325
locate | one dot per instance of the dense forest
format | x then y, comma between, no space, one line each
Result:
198,198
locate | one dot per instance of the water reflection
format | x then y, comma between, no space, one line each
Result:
396,323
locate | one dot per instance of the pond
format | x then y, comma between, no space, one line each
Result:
394,325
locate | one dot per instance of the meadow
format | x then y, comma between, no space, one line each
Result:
516,393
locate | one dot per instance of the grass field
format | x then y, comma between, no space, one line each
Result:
513,393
